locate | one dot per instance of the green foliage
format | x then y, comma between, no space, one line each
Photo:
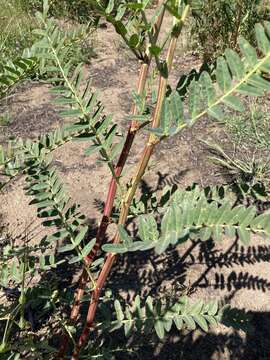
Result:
78,10
137,28
161,317
14,72
132,28
218,23
243,155
20,155
55,210
192,216
23,53
169,220
16,29
92,124
234,77
69,41
82,104
250,169
5,120
251,127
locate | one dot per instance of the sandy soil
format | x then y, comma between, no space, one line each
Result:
232,273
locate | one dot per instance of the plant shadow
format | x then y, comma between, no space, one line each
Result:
168,277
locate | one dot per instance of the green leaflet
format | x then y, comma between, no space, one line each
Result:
234,75
191,215
14,72
148,228
208,89
80,101
248,51
235,64
53,209
223,75
159,317
194,99
262,39
234,103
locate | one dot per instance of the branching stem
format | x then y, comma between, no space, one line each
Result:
141,167
134,127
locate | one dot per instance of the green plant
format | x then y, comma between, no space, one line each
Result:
71,43
12,73
250,169
5,120
16,43
218,23
251,128
78,10
176,217
16,28
244,157
32,64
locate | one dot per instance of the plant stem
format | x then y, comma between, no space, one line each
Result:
107,209
142,165
8,327
134,127
22,295
112,192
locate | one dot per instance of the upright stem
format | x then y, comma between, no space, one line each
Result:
107,210
142,165
134,126
111,194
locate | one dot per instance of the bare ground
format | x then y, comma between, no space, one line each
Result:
229,272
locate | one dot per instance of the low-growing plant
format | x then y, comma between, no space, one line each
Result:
244,156
163,221
250,168
251,128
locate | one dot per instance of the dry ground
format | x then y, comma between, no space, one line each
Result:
229,272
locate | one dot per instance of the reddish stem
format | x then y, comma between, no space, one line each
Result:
110,198
93,305
147,152
111,195
113,184
107,210
126,201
